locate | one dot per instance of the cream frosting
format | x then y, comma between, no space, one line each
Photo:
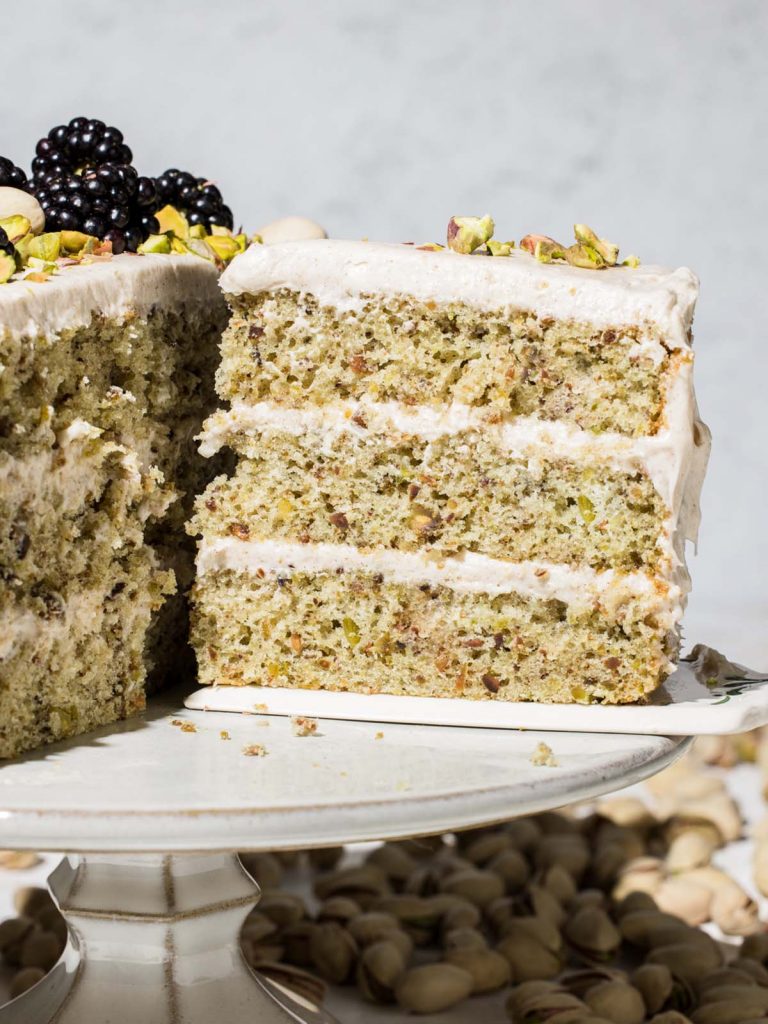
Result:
111,288
468,573
339,272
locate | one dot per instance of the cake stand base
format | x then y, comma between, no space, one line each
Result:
155,938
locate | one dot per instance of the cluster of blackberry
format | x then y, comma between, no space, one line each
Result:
84,179
197,198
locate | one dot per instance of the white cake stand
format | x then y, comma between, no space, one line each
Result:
149,814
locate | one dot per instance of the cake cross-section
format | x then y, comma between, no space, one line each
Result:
457,475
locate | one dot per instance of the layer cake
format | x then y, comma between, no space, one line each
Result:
458,475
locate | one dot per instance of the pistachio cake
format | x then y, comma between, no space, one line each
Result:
106,374
458,475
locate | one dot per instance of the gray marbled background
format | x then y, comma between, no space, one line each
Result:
647,120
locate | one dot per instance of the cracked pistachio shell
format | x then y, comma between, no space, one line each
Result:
171,219
379,969
433,987
607,250
534,1007
521,993
333,952
490,970
616,1001
465,234
581,980
16,202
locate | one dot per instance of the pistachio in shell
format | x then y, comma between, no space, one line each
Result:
524,833
490,970
333,952
380,967
264,868
396,863
633,902
556,880
462,914
616,1001
544,1005
296,940
686,961
655,984
464,938
591,932
371,926
536,928
479,887
338,908
284,908
433,987
752,994
362,884
511,867
728,1011
755,947
17,202
484,848
529,959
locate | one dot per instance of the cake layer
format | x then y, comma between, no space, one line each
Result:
67,512
75,659
107,373
286,347
353,630
459,492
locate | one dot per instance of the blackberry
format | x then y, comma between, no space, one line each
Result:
110,201
11,175
197,198
82,144
6,245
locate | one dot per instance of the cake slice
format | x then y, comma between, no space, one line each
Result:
458,475
106,374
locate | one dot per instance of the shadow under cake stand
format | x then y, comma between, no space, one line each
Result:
149,813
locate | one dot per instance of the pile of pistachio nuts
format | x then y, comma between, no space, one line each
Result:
589,915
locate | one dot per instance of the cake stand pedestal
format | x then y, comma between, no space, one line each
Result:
149,813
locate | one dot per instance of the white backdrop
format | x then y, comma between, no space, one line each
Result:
647,120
